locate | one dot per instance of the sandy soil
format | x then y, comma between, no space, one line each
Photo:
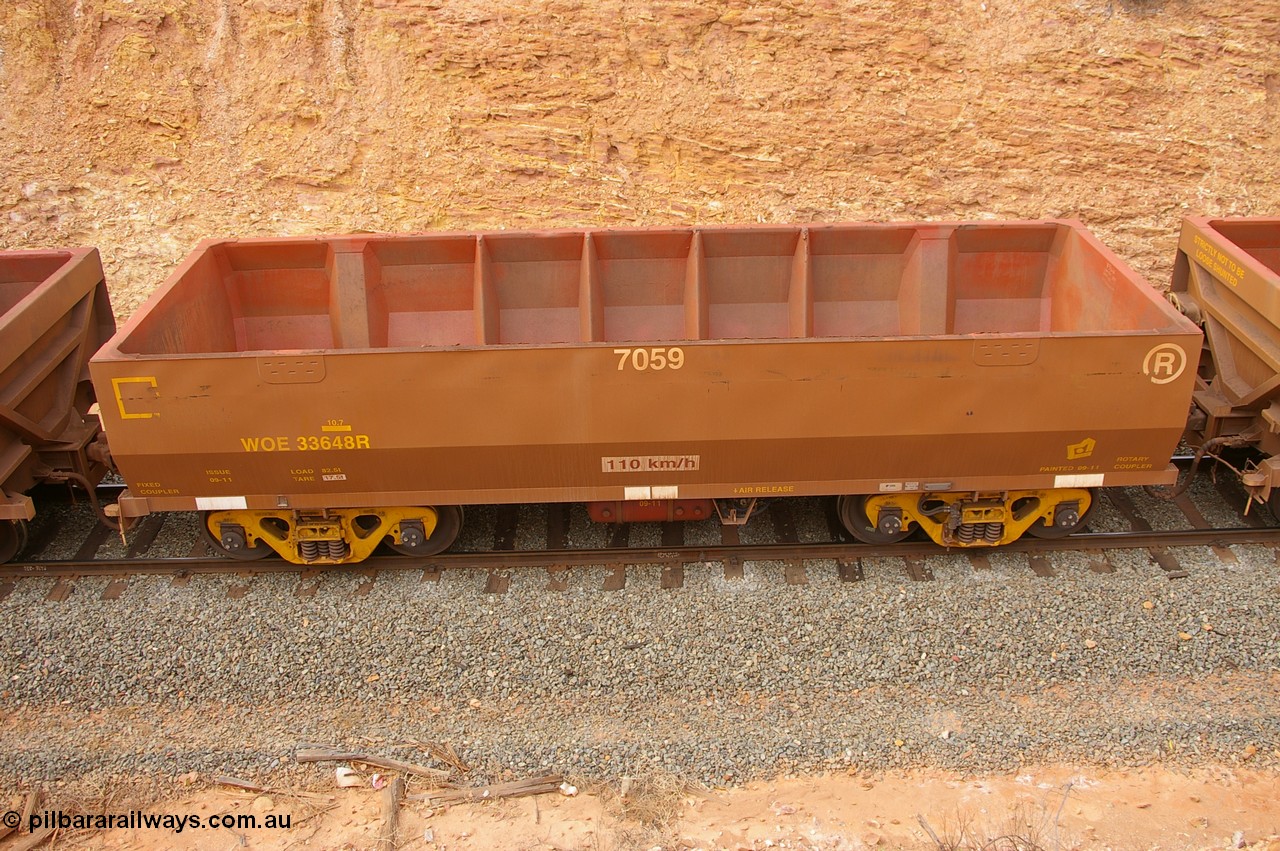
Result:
1058,807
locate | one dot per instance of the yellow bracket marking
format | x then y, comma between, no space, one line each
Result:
335,428
149,380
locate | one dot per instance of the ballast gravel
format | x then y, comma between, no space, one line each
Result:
720,681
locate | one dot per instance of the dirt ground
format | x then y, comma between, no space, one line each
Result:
1058,807
143,126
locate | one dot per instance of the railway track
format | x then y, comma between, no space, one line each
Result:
503,553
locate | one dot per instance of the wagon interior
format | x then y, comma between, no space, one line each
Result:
22,272
448,290
1259,238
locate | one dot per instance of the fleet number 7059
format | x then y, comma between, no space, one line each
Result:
647,359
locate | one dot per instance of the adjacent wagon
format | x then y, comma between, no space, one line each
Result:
54,314
317,397
1227,277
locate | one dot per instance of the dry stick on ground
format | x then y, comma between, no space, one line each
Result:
34,840
392,795
929,830
441,753
331,755
33,804
26,843
1057,817
224,780
236,782
447,755
516,789
5,830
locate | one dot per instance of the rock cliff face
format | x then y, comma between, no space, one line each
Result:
142,126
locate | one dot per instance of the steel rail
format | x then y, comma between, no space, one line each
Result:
513,559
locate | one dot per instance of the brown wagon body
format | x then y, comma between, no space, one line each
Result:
54,314
1227,276
619,366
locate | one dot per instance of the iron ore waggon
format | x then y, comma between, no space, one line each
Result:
54,314
315,397
1227,277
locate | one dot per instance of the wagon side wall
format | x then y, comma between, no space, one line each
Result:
1227,273
567,424
57,314
606,364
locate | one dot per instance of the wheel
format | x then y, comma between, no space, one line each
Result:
1042,530
13,538
852,510
448,525
232,544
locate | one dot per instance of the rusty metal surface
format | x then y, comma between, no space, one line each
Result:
1227,274
617,365
54,314
1231,269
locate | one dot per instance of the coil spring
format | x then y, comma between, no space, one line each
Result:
312,550
970,532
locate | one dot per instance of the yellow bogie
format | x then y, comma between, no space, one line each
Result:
975,519
330,536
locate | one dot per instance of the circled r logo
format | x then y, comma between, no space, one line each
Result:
1164,363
